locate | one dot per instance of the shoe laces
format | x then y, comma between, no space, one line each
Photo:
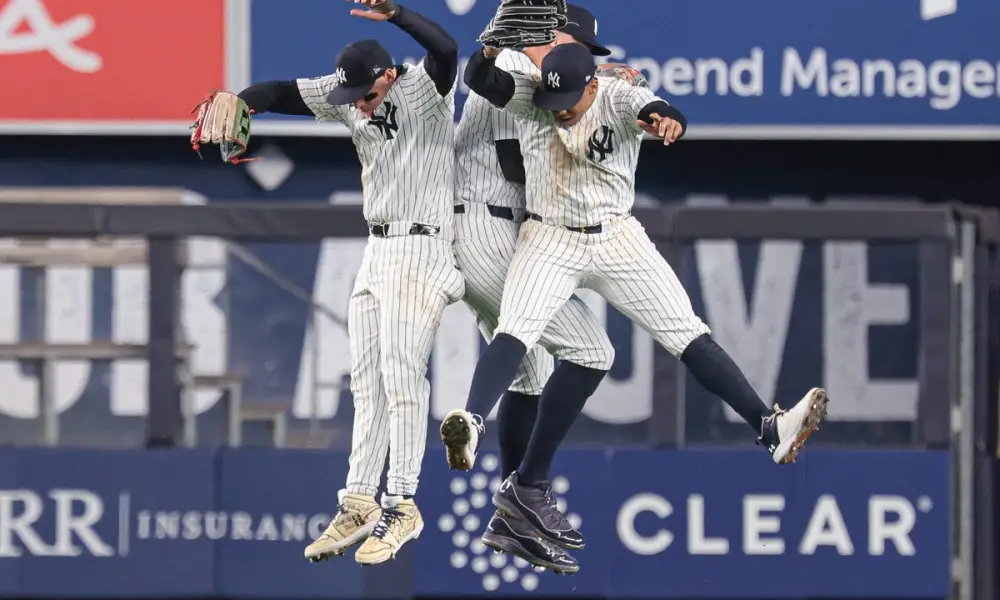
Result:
390,516
550,507
478,422
770,422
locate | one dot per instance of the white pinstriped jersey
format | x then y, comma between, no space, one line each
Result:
406,149
478,174
584,174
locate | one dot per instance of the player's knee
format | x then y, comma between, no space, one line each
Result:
403,378
600,357
604,358
677,342
521,334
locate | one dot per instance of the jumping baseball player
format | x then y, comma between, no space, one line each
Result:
580,136
490,208
401,119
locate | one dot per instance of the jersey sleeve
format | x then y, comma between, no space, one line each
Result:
520,104
629,100
504,124
314,92
422,95
514,61
526,79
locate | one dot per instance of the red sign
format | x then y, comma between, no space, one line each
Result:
100,60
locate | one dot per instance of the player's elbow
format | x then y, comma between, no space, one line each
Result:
448,49
473,79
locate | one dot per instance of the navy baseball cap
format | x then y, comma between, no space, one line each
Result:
582,25
358,66
566,71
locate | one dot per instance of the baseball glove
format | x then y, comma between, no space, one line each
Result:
223,119
623,72
523,23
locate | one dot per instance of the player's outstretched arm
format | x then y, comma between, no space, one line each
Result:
489,81
441,61
281,97
509,90
643,111
662,121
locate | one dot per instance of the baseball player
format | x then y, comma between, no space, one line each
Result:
490,209
580,136
401,119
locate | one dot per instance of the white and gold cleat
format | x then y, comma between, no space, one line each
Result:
400,522
355,520
460,431
784,432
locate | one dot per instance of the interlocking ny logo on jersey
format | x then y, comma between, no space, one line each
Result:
386,122
601,144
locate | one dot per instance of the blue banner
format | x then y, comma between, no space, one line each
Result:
694,524
780,68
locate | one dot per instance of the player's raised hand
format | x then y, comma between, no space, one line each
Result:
663,128
375,10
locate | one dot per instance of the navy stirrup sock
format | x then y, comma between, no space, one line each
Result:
562,401
515,420
716,372
494,373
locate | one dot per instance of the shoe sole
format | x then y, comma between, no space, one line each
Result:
817,412
508,546
356,538
512,511
456,437
411,537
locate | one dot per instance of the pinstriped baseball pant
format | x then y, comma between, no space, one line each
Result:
403,287
484,248
620,263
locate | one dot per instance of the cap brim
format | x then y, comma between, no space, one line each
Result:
347,94
586,38
597,49
546,100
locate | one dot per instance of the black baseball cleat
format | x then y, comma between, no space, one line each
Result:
537,506
517,538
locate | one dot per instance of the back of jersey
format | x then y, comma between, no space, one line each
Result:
486,138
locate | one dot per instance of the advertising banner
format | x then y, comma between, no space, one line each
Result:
694,524
775,69
108,66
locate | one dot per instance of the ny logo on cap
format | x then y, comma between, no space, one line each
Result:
595,26
340,76
553,79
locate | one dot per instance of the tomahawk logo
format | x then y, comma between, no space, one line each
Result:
39,33
470,511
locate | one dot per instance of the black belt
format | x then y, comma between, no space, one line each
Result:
415,229
500,212
591,229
